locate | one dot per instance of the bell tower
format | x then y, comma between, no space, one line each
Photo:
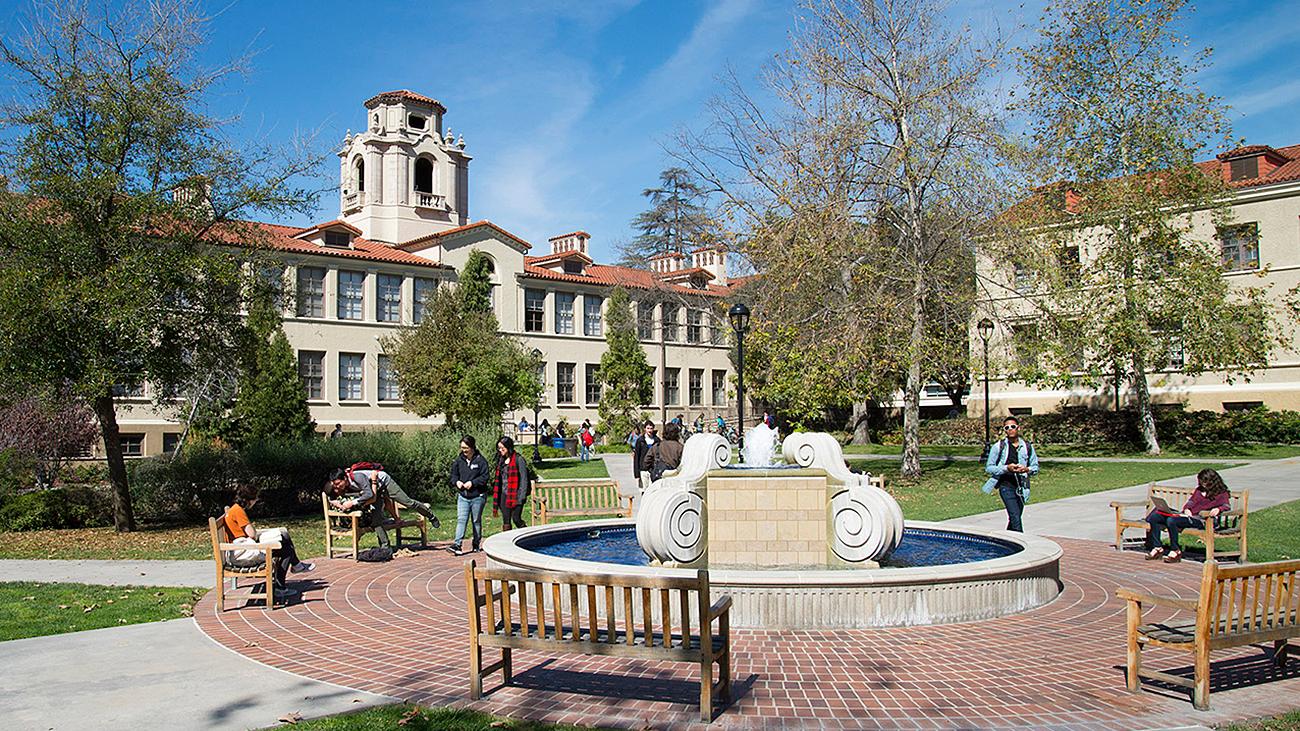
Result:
403,177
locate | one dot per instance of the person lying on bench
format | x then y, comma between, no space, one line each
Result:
368,482
1211,494
239,529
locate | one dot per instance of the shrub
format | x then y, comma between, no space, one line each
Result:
63,507
196,484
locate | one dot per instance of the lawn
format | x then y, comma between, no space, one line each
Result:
416,718
34,610
1215,451
192,542
1285,722
951,488
1272,533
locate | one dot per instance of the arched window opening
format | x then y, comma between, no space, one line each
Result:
423,175
359,174
415,121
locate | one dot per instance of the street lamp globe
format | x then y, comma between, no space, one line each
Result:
739,315
985,328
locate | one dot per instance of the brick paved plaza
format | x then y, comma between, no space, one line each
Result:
399,629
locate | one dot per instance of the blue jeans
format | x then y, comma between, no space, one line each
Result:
1015,506
1172,523
469,510
584,453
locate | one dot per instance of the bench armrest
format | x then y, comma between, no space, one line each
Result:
1127,504
249,546
1224,514
1133,595
343,513
720,607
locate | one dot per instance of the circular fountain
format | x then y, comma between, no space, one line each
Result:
808,544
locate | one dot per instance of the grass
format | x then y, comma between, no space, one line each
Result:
1272,533
36,609
950,489
192,542
1285,722
416,718
1217,451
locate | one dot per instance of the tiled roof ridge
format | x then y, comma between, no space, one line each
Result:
571,233
404,246
402,95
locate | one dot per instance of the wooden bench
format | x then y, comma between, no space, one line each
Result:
347,524
577,497
1237,605
1231,524
265,570
598,615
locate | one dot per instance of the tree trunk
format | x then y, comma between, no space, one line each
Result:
861,434
1146,417
123,517
912,393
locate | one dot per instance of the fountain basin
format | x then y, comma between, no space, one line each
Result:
837,598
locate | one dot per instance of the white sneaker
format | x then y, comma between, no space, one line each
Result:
302,567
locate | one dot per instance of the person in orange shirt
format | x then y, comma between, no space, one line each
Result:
239,529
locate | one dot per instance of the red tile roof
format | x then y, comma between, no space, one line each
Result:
684,273
328,224
556,257
608,275
434,239
403,95
584,234
284,238
1287,171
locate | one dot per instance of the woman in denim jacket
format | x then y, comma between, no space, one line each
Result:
1011,462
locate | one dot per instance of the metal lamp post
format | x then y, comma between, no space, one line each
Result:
985,328
739,316
537,406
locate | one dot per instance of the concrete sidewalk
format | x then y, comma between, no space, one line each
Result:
162,675
1091,517
117,573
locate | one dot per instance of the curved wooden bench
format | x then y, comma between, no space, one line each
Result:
1231,524
1237,605
598,615
577,497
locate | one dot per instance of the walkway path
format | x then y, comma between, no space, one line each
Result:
1091,517
163,675
137,573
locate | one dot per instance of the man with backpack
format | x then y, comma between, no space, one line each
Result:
373,487
1012,461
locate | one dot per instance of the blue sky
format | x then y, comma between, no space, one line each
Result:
566,106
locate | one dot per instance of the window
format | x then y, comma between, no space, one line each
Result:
311,369
388,298
269,278
1021,278
424,289
593,383
423,175
415,121
350,376
591,324
1021,410
645,320
715,329
564,313
1242,405
311,292
1244,169
572,266
694,325
351,295
388,390
719,388
128,390
1024,339
338,239
171,440
132,445
360,171
670,322
672,386
564,382
1169,339
1240,246
695,387
534,310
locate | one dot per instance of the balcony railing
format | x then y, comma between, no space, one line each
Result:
353,201
430,200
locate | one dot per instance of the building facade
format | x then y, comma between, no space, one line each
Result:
1260,247
403,231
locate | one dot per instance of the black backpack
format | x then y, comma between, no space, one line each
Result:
376,555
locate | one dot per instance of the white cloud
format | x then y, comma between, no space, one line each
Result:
1269,98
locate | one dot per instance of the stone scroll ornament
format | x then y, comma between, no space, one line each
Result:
867,522
671,518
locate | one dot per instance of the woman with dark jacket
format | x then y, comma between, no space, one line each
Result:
511,486
1211,495
469,478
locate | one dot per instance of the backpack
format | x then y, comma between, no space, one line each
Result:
381,491
588,439
375,555
658,470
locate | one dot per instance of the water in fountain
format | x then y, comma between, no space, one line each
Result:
760,447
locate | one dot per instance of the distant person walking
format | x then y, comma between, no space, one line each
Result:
469,478
1211,495
1011,462
648,439
511,485
666,454
585,442
338,431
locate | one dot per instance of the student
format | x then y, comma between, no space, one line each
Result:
368,488
1012,461
666,455
469,478
524,425
239,529
1211,495
338,431
585,442
511,485
643,445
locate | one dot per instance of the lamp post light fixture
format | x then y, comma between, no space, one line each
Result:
985,328
537,406
739,316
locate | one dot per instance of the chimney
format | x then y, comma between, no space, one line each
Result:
564,243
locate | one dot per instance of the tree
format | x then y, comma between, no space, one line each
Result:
875,167
475,286
457,364
121,257
271,402
627,377
677,218
42,433
1122,279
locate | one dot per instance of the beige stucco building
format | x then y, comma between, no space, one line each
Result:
1259,248
404,229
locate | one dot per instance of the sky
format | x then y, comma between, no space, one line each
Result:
567,107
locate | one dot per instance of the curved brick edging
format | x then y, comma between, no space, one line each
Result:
399,629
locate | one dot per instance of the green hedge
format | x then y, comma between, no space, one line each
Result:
76,506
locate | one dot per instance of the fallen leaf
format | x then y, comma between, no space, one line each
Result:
109,601
63,606
28,598
91,608
357,700
290,718
250,644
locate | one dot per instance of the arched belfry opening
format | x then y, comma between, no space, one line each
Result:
359,174
423,175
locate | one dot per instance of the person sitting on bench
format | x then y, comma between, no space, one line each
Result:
1211,494
239,529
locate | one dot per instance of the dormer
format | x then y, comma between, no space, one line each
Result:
570,261
712,259
576,241
333,235
1249,162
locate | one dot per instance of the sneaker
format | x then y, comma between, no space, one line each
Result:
436,523
302,567
454,550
